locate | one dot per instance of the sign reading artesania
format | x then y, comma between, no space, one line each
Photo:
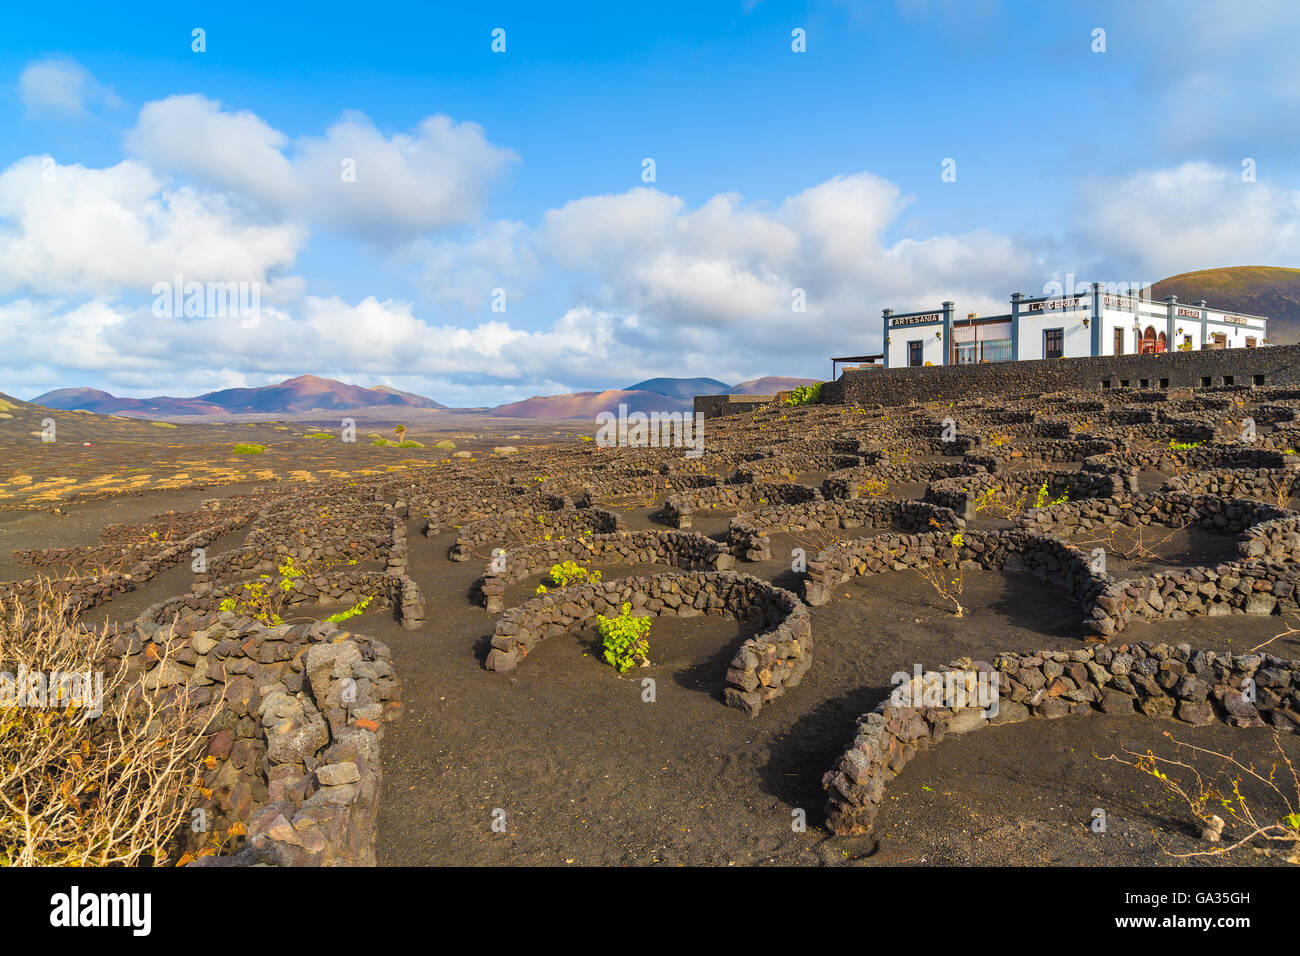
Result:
1236,319
916,319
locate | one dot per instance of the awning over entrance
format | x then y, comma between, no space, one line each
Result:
859,359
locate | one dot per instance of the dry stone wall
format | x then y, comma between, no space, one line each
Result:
683,549
1157,680
764,668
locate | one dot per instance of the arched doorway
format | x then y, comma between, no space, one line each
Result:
1162,343
1149,342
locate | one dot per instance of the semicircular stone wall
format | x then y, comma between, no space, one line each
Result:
689,550
763,667
1157,680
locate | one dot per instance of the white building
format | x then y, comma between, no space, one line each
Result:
1079,325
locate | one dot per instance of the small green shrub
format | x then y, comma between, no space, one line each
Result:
246,448
1044,497
805,395
384,443
323,436
570,572
410,443
353,611
445,445
624,639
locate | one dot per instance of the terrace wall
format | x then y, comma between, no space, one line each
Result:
1279,365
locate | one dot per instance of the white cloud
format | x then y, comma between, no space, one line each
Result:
430,178
1194,216
465,272
132,351
720,278
69,229
658,286
61,85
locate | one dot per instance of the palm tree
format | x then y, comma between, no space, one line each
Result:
401,432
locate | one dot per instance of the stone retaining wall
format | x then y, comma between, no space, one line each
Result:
748,534
679,509
1235,587
761,670
1195,687
1275,365
88,591
848,482
1263,483
530,526
333,588
962,495
1173,509
796,464
1054,561
292,752
682,549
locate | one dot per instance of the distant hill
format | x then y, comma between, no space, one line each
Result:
768,385
1257,290
652,395
306,393
683,388
589,404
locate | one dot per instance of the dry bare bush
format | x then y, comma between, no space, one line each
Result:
1271,823
79,787
631,500
1290,631
947,579
1280,491
998,501
817,539
1137,549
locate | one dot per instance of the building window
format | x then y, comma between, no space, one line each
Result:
1119,341
1053,343
914,353
1187,341
995,350
1250,341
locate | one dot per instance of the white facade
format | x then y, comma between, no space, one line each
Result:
916,334
1090,323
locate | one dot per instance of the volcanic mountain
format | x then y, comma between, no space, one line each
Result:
652,395
1255,290
306,393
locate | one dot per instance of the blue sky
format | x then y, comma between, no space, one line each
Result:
126,157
